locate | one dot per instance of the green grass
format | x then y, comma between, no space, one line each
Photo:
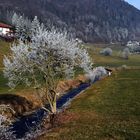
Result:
108,110
3,84
4,50
112,61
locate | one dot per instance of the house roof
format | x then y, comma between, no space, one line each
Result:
5,25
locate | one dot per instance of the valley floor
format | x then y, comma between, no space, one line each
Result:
108,110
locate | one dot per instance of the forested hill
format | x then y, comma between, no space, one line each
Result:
91,20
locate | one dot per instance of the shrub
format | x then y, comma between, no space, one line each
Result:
124,67
125,53
106,52
96,74
134,47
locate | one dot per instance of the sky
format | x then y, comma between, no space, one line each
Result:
135,3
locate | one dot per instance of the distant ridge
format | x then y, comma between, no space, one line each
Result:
90,20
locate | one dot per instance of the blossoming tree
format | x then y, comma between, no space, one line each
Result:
41,63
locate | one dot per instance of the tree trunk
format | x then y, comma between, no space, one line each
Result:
53,115
53,119
54,109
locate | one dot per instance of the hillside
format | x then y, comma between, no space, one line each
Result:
91,20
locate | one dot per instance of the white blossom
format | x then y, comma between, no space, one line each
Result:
96,73
125,53
51,55
106,52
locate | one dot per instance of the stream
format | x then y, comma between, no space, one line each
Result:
25,123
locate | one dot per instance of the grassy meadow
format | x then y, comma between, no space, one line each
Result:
108,110
112,61
4,50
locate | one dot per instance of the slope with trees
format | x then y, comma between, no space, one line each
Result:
91,20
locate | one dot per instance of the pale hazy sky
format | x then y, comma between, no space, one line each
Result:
136,3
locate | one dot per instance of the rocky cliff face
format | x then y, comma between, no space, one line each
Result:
90,20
